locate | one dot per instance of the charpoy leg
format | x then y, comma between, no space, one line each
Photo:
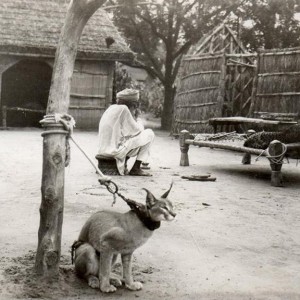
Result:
276,152
184,148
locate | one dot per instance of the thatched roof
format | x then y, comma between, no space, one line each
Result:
33,27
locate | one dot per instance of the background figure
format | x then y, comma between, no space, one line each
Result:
122,134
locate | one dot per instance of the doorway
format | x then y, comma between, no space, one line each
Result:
25,91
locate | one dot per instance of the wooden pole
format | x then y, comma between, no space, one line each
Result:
253,104
222,89
4,116
54,143
246,160
276,150
184,148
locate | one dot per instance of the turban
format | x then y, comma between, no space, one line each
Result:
128,95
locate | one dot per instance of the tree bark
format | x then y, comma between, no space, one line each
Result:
52,202
167,115
166,119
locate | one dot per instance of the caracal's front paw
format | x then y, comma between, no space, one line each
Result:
107,288
93,282
115,280
134,286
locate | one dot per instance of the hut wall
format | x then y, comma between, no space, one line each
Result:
91,92
277,89
90,95
199,92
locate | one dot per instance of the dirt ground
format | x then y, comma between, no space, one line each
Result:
235,238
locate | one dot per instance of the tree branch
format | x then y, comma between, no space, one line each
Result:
154,62
153,27
189,7
176,68
183,49
151,71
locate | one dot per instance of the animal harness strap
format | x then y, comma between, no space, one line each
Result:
138,208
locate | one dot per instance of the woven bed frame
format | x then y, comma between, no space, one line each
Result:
273,153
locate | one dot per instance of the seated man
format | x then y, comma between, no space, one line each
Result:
122,134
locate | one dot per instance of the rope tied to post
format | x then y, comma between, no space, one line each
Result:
68,123
278,159
275,159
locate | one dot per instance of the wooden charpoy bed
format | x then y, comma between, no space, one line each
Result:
275,153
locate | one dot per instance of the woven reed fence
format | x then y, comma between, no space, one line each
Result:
233,82
240,72
276,92
215,80
200,87
210,86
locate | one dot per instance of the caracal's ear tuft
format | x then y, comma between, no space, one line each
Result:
150,199
165,195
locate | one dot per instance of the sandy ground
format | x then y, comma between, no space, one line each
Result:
244,245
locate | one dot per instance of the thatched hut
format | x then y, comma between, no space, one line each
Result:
276,92
215,80
29,34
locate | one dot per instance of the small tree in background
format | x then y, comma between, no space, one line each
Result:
122,80
151,91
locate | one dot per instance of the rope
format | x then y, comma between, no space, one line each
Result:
103,177
54,131
277,159
262,153
69,123
112,187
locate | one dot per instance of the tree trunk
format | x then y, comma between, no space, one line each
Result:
52,202
166,119
167,114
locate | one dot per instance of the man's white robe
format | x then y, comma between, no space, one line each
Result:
120,136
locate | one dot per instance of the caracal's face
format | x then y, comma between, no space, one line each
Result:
162,210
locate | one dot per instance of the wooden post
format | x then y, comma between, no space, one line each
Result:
276,149
1,108
184,148
52,205
4,116
246,159
247,156
222,89
54,143
253,104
